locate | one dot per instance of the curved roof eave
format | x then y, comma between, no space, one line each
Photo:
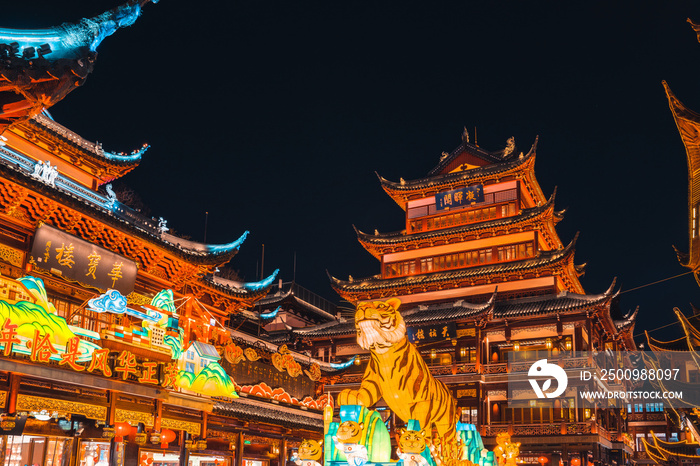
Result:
464,176
90,148
74,40
545,258
400,236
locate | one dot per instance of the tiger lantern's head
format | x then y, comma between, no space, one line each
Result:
310,450
350,432
379,325
412,441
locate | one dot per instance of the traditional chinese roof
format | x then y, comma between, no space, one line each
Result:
627,322
56,139
419,315
456,311
688,124
679,344
377,243
423,187
255,290
253,410
470,152
545,305
41,66
94,205
513,270
297,297
662,452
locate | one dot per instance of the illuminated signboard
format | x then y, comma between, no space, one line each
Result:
437,332
81,261
459,197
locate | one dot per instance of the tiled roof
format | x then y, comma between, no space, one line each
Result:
241,289
627,320
459,177
402,237
125,219
377,283
562,303
472,149
251,410
42,122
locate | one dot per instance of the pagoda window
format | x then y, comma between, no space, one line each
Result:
461,217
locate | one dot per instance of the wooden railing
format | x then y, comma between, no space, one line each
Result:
543,430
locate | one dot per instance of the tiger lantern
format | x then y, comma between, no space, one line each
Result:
347,440
397,372
309,453
411,445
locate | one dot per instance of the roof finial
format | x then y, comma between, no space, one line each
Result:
444,155
475,143
465,135
696,28
510,147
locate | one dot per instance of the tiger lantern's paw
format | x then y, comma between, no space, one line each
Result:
353,397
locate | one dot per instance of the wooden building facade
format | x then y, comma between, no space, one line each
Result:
484,281
114,345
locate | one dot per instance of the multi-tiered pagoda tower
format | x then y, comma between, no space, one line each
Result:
478,222
484,280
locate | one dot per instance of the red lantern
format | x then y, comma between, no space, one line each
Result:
576,461
166,436
542,460
121,430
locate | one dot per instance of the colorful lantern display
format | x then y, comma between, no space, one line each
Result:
576,461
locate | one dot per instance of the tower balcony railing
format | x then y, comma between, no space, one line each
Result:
545,430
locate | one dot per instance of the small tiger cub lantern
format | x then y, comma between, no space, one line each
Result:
309,453
411,445
506,452
347,440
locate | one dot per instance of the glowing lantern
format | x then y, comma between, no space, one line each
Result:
166,436
516,346
121,430
542,460
548,343
576,461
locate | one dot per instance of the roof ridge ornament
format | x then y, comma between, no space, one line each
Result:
465,135
111,196
696,27
45,172
510,147
444,155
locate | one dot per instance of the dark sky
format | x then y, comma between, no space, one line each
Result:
273,117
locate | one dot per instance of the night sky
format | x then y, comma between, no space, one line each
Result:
273,117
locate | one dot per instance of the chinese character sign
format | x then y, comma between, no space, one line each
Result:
81,261
445,331
459,197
